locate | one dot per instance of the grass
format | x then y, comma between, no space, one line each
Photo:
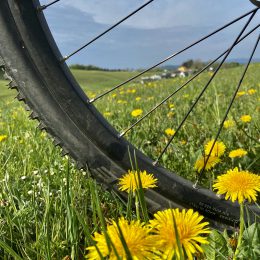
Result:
100,80
201,125
47,206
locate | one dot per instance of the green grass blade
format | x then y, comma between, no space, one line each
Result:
9,250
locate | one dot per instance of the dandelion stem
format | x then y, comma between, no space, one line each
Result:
137,207
241,229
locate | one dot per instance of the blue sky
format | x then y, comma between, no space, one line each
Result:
162,28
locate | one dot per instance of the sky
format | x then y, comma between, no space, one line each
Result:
157,31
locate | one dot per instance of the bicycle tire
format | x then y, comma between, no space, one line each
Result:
31,58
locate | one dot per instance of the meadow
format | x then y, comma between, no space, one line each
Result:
49,209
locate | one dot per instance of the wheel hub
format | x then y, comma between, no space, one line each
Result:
255,2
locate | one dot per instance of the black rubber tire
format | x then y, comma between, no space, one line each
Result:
32,60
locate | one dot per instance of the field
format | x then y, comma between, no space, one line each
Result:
49,209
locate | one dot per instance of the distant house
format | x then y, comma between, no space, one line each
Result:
155,77
182,69
166,75
151,78
182,74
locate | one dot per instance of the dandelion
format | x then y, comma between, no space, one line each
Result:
107,114
171,106
114,95
238,185
120,101
183,142
3,137
138,98
43,134
190,228
170,114
212,161
137,112
137,238
237,153
218,149
251,91
129,182
241,93
169,132
246,118
229,123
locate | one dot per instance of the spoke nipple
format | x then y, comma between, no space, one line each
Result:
41,8
155,162
121,134
195,185
91,100
64,59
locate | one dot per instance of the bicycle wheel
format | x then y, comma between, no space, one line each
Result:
32,60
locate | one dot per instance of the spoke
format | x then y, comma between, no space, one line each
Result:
182,86
172,56
228,109
106,31
206,86
41,8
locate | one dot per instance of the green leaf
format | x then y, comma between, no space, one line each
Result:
217,248
9,250
250,248
230,249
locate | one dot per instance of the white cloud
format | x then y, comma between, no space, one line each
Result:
162,13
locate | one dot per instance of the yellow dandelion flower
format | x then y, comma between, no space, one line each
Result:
171,106
169,132
170,114
212,161
229,123
120,101
238,185
246,118
114,95
137,112
43,134
237,153
241,93
122,92
218,149
92,95
14,115
3,137
129,181
138,240
183,142
107,114
191,231
251,91
138,98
